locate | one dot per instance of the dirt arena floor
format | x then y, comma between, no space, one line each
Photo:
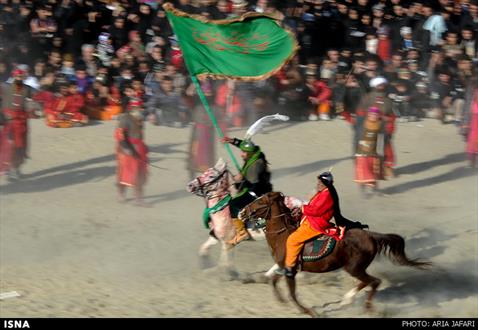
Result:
70,250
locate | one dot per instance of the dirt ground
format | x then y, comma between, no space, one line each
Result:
70,250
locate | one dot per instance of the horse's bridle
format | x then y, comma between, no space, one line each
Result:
267,215
203,185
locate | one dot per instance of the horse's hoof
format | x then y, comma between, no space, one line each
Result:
369,307
345,302
281,299
311,313
248,280
205,262
233,275
263,279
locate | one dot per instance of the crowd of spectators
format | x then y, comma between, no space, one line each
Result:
119,52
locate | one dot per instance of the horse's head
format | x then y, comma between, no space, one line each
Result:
264,208
214,181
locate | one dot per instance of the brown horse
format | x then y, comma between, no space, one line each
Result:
354,252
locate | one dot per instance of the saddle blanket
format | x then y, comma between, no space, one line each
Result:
318,248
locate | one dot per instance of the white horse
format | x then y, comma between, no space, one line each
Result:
213,185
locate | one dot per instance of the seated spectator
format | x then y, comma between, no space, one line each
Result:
62,110
82,80
166,105
102,102
384,45
88,59
442,94
137,48
319,97
43,26
105,49
469,42
451,47
156,60
118,32
420,102
54,60
68,67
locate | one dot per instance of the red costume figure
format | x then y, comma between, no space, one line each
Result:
232,107
202,147
131,154
14,135
378,98
472,139
75,105
63,110
368,159
319,96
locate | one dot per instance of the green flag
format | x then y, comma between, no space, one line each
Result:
250,47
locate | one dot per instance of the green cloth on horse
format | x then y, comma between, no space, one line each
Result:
216,208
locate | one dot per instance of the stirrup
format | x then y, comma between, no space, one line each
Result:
290,273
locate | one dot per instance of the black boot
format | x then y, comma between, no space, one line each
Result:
287,272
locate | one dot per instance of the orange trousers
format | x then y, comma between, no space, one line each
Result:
323,108
296,240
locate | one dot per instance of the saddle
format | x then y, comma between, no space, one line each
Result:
323,245
317,248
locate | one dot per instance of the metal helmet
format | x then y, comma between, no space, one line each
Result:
247,146
326,177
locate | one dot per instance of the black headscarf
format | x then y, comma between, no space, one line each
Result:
327,179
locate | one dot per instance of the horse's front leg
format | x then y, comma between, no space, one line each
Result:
291,284
271,271
204,260
257,234
227,260
275,279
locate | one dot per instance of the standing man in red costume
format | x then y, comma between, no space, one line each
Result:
14,135
131,153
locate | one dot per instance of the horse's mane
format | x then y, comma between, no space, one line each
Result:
278,198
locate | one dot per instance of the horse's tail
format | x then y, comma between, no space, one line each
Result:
393,246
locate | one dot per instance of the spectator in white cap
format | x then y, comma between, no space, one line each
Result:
378,83
407,42
239,7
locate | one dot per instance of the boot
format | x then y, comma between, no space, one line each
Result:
241,232
286,271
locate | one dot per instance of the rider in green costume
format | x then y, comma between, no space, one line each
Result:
253,181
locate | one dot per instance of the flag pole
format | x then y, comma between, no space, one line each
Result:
213,120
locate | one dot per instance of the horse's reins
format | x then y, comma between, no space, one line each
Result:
269,210
202,185
280,230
